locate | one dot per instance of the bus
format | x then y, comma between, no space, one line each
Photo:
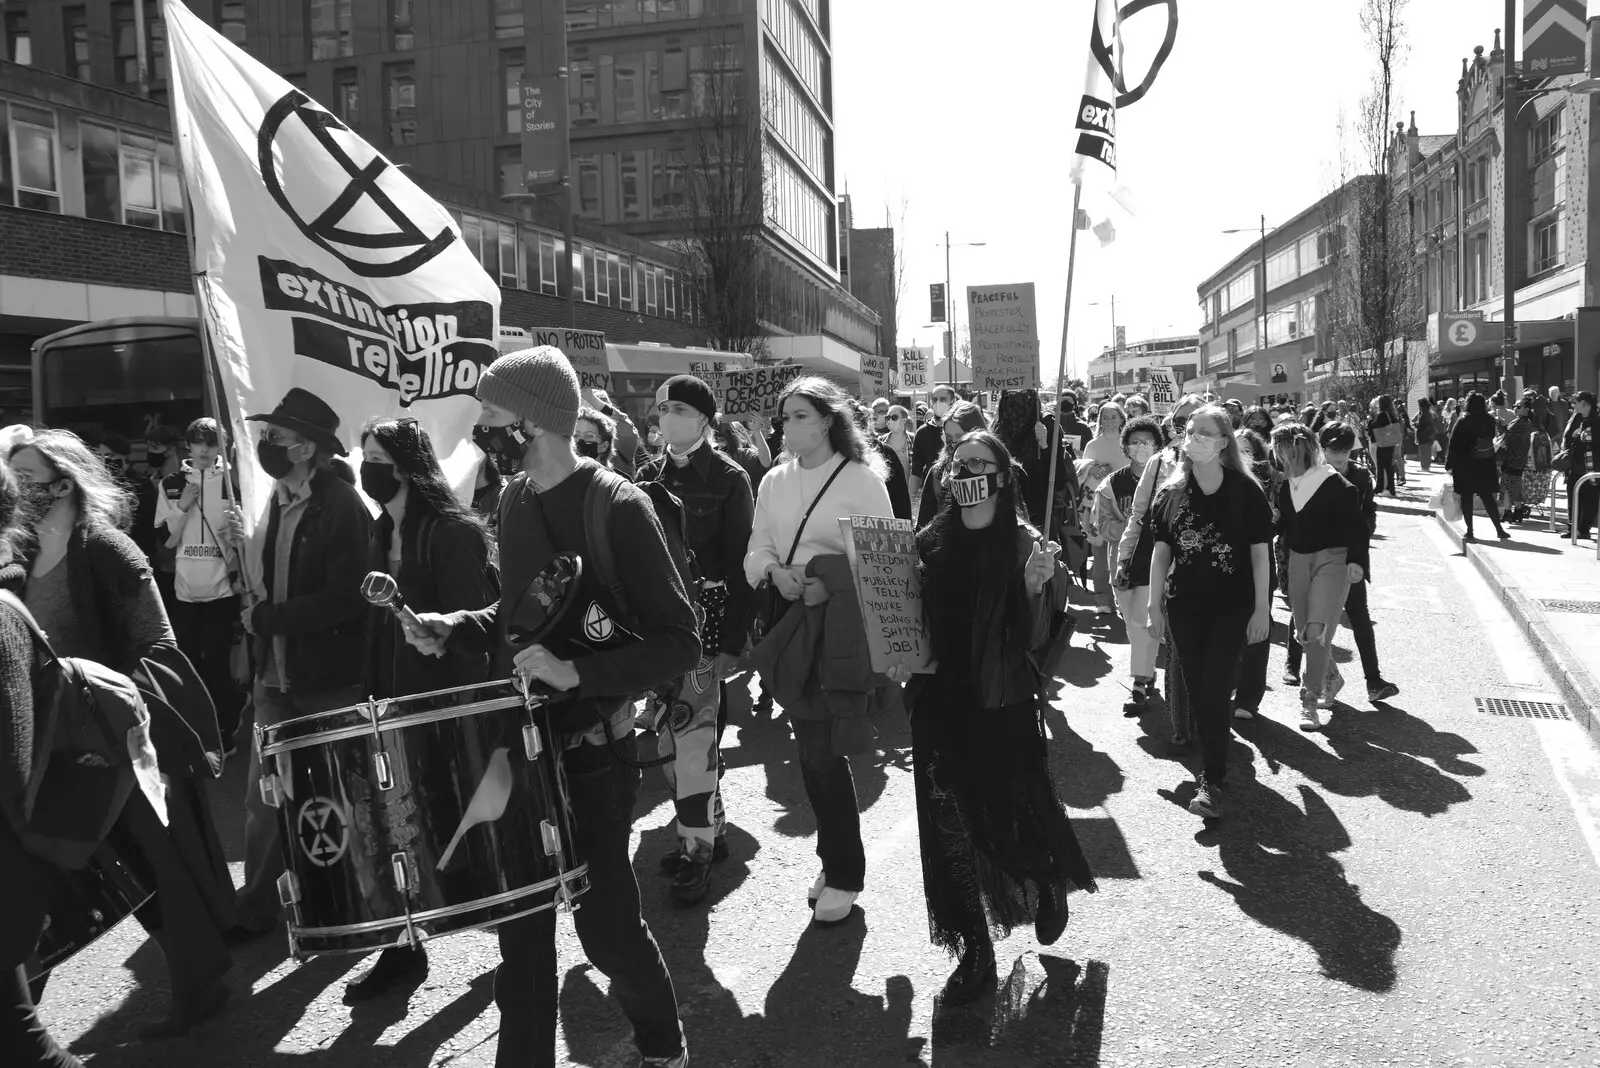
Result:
134,377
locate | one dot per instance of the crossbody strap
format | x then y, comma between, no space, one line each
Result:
807,517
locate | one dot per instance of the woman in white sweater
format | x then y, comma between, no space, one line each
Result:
828,473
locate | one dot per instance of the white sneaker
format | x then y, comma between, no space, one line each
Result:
1335,683
1243,713
834,905
817,888
1309,719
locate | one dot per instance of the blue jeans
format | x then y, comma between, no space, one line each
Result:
610,926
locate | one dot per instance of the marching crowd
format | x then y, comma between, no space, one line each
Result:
713,549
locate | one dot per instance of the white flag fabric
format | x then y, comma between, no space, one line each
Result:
321,265
1094,157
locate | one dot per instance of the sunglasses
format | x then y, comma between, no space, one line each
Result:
896,418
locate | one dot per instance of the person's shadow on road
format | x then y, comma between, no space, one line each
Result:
1281,873
1046,1010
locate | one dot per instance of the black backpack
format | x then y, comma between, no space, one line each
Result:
674,522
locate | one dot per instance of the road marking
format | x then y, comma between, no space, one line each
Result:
1574,762
1400,597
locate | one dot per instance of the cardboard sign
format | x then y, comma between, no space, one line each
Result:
874,377
1163,390
1005,337
1280,374
753,392
586,349
913,370
883,559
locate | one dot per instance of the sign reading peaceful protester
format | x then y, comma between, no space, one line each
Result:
1005,337
1163,390
585,349
883,559
320,265
753,392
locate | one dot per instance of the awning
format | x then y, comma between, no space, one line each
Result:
820,355
1491,337
647,359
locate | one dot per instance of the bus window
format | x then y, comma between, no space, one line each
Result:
127,376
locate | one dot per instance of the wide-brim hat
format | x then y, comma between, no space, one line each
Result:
308,415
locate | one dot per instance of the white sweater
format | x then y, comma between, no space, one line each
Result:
788,490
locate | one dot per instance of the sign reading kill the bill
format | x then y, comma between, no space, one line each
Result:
1163,390
584,349
883,559
1005,337
914,368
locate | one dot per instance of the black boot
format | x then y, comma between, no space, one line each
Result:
973,975
1051,919
398,967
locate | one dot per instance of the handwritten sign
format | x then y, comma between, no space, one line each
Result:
585,349
914,368
753,392
1005,337
1163,390
874,377
883,559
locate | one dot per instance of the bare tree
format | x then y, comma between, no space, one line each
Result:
726,196
897,284
1373,307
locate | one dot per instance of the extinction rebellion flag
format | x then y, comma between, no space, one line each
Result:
321,265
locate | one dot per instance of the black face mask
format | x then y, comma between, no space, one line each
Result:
379,481
274,458
505,445
588,449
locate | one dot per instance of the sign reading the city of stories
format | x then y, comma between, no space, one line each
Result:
544,131
584,349
753,392
914,368
936,302
874,377
1163,390
883,560
1005,337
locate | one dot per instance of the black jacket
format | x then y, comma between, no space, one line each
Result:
925,448
716,495
1331,519
1472,473
899,489
1585,455
443,567
324,617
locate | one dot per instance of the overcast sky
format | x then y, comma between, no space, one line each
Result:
966,111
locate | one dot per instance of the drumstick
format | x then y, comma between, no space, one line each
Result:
488,802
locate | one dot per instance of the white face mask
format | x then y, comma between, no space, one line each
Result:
941,408
1201,450
1140,454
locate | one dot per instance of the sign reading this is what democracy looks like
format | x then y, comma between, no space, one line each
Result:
753,392
320,266
1005,337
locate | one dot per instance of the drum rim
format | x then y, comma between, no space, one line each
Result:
414,719
369,926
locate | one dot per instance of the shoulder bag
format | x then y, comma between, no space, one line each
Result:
770,604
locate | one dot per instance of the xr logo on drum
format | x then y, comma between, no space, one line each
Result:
345,191
323,830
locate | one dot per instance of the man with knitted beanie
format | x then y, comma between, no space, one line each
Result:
596,663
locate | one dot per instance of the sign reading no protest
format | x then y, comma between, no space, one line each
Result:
584,349
1005,337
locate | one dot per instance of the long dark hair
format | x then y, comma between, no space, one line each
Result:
11,537
993,554
1015,419
412,452
1386,407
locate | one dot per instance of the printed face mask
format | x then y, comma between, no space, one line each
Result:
975,489
505,445
1201,450
37,497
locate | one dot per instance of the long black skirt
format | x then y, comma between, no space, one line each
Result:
993,832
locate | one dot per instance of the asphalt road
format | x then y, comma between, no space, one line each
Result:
1413,887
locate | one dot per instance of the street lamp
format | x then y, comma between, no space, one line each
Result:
949,308
1261,340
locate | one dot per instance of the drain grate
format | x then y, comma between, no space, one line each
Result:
1557,605
1501,706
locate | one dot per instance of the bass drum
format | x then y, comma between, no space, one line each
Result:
419,816
85,904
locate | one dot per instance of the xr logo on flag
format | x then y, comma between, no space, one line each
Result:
323,830
340,203
1101,50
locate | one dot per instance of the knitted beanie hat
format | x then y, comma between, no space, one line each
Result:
692,391
538,385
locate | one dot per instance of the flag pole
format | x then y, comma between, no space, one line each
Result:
1061,364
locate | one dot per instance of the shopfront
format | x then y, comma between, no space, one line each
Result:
1546,358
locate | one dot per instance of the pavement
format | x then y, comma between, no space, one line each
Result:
1416,886
1550,586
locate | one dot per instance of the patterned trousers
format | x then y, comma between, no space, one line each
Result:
687,730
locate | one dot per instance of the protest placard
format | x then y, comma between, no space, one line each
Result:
1163,389
1280,374
874,377
753,392
585,349
883,559
914,369
1005,337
